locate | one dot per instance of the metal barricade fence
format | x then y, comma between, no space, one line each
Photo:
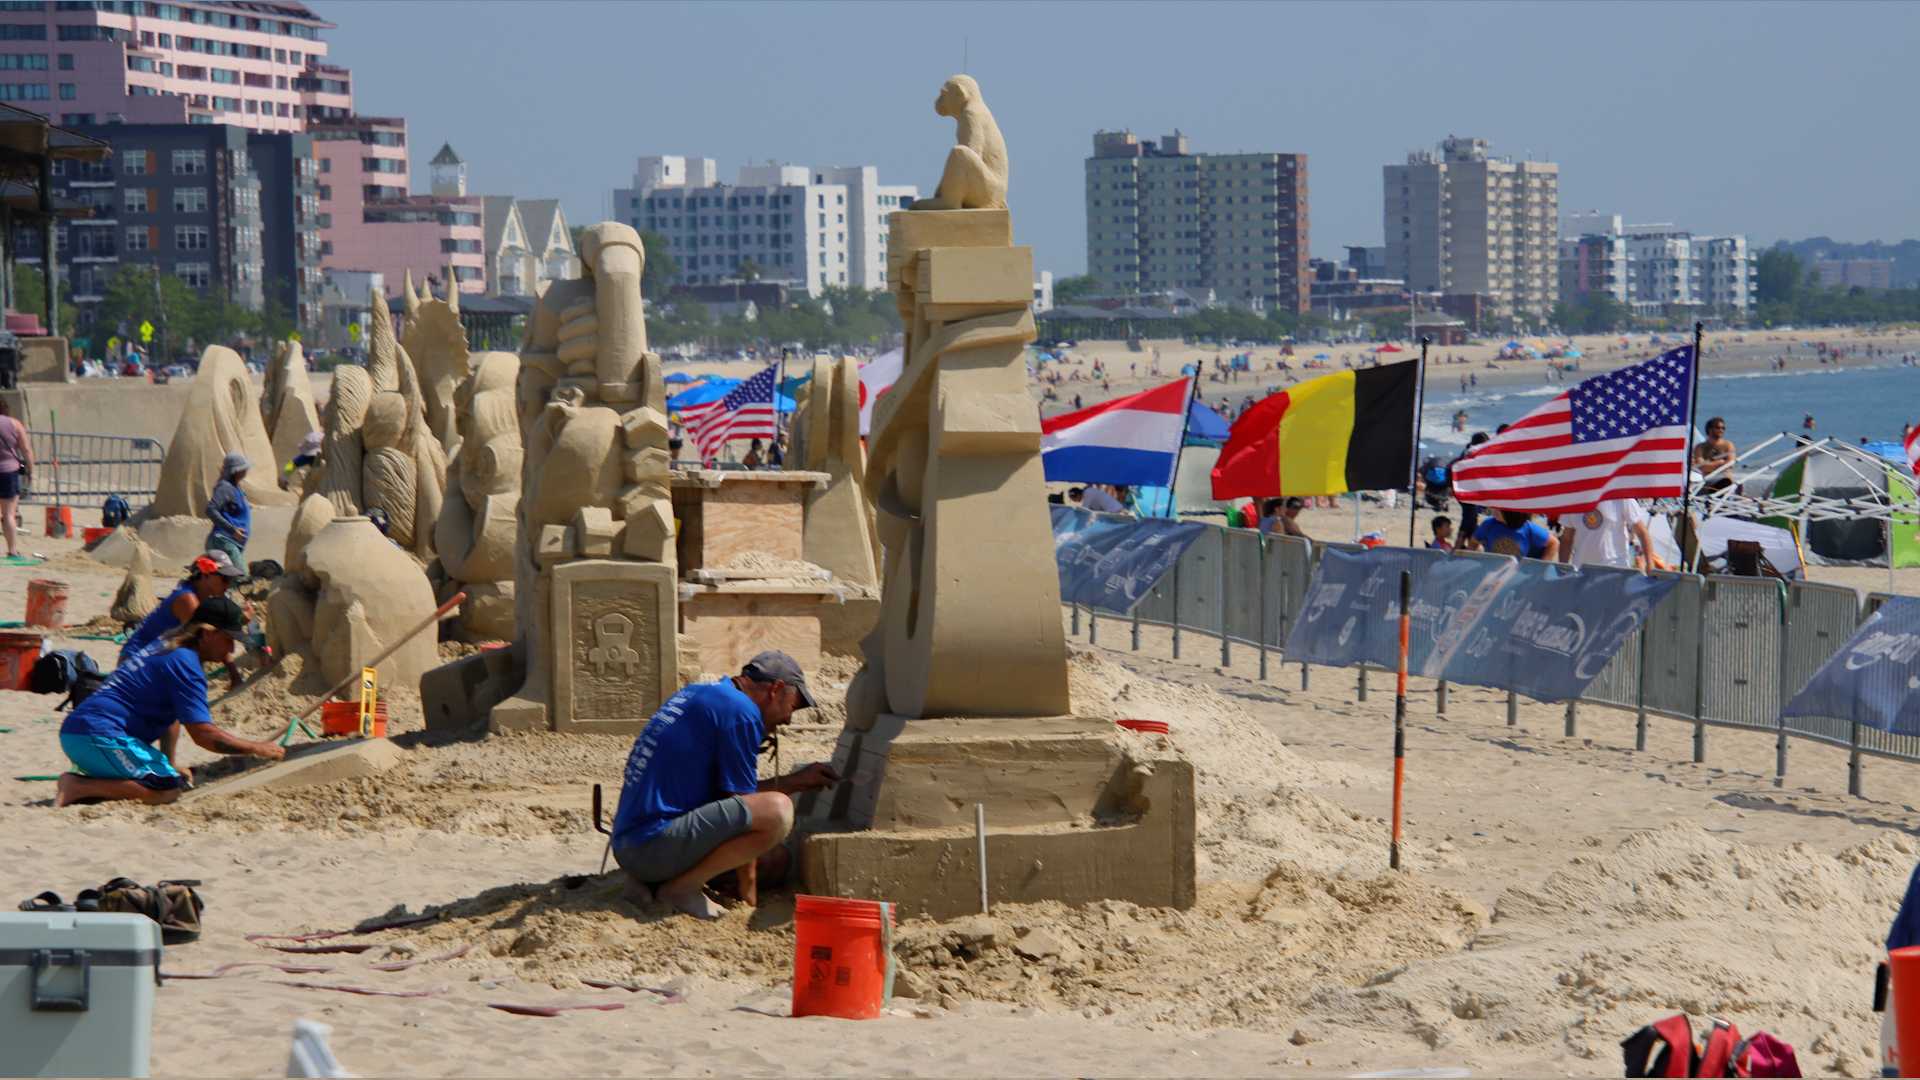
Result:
1670,672
1743,623
1820,619
1289,568
1242,555
82,470
1618,684
1198,600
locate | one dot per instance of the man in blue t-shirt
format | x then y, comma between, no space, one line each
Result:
149,699
692,804
1515,533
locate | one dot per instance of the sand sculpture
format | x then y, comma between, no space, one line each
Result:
976,174
963,698
594,565
839,528
135,599
378,451
349,592
220,418
476,530
286,402
437,344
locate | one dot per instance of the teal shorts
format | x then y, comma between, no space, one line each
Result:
121,757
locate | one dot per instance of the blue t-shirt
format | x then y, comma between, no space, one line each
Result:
702,746
1527,541
229,510
144,696
158,621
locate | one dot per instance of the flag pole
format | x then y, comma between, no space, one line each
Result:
1686,467
1413,465
1186,421
778,381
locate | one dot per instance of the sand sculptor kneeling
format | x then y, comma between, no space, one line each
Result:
692,805
110,737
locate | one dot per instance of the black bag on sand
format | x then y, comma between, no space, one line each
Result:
172,904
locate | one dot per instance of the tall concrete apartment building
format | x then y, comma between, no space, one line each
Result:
1161,217
1459,221
809,227
1656,269
257,65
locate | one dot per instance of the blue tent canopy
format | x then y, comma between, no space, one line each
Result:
678,377
712,390
1205,424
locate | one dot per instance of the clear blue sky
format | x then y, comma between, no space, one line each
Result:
1778,120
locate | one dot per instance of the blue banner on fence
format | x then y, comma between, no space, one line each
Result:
1875,677
1534,628
1111,562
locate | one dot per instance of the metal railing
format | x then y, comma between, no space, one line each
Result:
1717,651
82,470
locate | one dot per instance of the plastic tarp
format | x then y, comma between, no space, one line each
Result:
1110,562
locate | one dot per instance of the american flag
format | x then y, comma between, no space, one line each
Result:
1913,449
1622,435
746,412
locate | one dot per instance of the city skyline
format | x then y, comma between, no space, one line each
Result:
1670,112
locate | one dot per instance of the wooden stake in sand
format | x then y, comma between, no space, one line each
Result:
980,839
1400,714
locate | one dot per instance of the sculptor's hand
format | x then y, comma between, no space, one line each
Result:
815,777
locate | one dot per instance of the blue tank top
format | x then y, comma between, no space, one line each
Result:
158,621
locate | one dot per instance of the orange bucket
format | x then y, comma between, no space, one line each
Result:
59,521
47,603
93,534
343,718
18,651
1905,965
842,957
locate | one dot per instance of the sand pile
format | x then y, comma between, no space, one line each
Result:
1674,919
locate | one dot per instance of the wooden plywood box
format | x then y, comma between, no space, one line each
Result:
723,514
733,623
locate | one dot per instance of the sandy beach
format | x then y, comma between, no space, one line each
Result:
1559,893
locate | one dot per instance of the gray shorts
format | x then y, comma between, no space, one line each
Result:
686,841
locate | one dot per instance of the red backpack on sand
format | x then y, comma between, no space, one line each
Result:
1666,1049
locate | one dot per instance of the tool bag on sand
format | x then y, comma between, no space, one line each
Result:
65,671
172,904
1666,1048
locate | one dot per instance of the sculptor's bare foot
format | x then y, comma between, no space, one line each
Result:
693,901
636,893
63,789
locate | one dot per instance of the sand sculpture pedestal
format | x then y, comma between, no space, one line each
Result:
964,693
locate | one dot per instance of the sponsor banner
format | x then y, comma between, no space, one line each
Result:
1110,562
1535,628
1875,677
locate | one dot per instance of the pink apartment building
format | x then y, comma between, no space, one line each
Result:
368,221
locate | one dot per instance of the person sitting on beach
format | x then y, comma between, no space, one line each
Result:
208,576
111,737
1715,452
1282,518
692,805
1099,498
228,509
1515,533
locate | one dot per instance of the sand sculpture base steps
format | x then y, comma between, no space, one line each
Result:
1076,812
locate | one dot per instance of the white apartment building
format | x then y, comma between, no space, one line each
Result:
1459,221
809,227
1656,269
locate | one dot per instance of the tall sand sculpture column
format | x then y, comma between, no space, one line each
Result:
964,696
594,566
286,402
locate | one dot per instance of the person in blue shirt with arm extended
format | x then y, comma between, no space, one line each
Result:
229,511
124,738
692,804
208,576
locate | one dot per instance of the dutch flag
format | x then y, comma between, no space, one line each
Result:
1132,440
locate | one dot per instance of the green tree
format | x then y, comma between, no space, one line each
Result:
1072,290
748,270
662,270
1590,313
30,296
1778,276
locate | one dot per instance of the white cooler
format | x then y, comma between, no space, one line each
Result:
76,992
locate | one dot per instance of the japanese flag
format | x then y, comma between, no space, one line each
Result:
876,378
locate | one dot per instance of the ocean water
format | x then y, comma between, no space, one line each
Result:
1873,402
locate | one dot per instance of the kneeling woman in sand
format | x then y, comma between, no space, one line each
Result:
111,737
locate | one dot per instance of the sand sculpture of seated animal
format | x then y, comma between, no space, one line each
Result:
976,174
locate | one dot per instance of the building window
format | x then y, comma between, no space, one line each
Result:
68,91
23,62
137,238
190,200
196,275
66,61
29,33
134,162
189,162
191,237
23,91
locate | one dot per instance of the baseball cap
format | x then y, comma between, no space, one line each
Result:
775,665
221,614
217,562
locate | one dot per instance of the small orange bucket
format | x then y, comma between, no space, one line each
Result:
1905,963
59,521
842,957
93,534
343,718
18,651
47,603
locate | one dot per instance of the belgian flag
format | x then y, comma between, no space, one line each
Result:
1350,431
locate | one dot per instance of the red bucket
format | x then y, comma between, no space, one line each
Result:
93,534
59,521
343,718
842,957
47,603
18,651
